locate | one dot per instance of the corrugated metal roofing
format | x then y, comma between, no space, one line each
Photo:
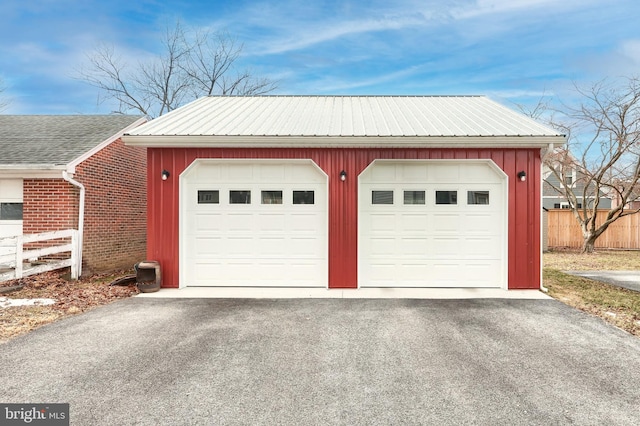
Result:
55,139
346,116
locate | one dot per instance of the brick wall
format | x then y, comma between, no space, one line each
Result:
49,205
115,223
115,207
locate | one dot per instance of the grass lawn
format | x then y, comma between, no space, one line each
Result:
618,306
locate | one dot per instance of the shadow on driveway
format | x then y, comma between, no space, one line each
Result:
329,361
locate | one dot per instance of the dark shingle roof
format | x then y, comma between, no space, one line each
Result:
55,139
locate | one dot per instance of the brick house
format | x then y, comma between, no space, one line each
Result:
59,171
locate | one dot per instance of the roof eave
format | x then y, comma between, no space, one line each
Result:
208,141
31,171
71,167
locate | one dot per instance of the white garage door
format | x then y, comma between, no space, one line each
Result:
254,223
436,223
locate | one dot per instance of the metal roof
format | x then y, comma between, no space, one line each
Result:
56,139
335,121
344,116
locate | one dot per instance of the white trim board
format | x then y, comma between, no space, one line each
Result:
363,293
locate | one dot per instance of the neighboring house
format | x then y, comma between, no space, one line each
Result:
344,192
552,199
45,159
634,197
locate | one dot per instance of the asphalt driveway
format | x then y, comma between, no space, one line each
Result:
329,361
626,279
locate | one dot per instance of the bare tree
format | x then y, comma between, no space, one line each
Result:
606,162
192,64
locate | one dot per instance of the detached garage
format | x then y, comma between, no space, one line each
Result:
344,192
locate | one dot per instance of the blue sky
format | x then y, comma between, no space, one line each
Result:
511,50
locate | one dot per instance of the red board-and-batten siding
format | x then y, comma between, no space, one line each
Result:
524,202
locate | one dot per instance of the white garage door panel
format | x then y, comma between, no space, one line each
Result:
477,224
274,223
254,244
447,248
435,274
412,223
429,244
383,222
446,223
481,248
243,274
412,247
301,222
207,222
207,247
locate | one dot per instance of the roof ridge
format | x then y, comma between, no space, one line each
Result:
71,115
345,96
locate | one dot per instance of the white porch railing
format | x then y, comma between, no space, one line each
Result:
19,261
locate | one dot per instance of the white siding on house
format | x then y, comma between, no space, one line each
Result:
10,193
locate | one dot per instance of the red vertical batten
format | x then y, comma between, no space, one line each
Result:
523,207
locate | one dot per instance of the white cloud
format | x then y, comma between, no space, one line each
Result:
331,86
631,50
307,36
500,7
304,26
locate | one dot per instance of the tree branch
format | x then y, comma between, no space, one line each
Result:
192,64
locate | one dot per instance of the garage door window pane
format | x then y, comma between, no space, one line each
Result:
446,197
271,197
381,197
414,197
477,197
208,197
239,197
303,197
10,211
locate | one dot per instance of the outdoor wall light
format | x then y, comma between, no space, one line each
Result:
343,175
165,175
522,176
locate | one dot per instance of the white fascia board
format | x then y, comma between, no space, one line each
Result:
71,167
206,141
31,171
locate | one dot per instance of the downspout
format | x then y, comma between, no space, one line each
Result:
549,150
77,184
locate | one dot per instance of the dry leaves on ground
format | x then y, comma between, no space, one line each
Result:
71,297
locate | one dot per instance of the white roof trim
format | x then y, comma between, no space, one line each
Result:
71,167
208,141
31,171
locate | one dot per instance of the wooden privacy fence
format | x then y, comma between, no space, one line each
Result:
21,262
563,230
